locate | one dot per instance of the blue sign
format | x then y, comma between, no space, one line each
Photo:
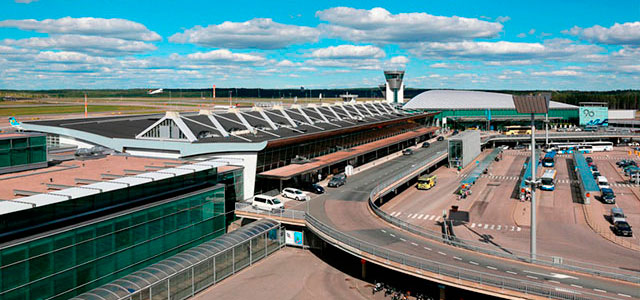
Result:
594,116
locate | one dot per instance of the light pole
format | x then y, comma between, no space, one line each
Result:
532,105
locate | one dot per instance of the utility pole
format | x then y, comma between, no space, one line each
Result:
534,163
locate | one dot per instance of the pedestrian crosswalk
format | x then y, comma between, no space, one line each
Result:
412,216
496,227
595,157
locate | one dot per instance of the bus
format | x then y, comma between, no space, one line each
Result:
517,129
549,159
582,148
426,182
600,146
563,148
548,180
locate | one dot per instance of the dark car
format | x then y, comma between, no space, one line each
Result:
589,159
455,132
440,139
314,188
407,151
426,145
608,196
337,180
596,174
622,228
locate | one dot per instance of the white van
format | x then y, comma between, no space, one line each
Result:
265,202
603,182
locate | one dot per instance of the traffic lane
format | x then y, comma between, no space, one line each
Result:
367,223
361,225
424,207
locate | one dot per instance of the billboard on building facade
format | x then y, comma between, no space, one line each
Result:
293,238
594,115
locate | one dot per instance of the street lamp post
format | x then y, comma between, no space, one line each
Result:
532,105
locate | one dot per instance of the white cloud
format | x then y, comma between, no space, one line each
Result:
378,25
502,19
225,55
286,63
348,52
618,34
87,44
114,28
25,1
71,57
522,35
505,51
255,33
532,31
562,73
454,66
399,60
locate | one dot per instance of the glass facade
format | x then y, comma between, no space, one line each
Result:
67,263
275,157
501,116
147,192
17,151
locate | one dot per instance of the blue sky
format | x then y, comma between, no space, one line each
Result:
581,45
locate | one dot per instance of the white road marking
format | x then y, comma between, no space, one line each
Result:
473,225
403,240
442,253
599,290
499,227
513,228
427,248
412,243
519,229
493,226
624,295
393,213
566,291
392,235
479,225
458,258
432,217
420,217
532,277
492,268
409,216
383,230
414,216
511,272
438,218
562,276
473,262
575,285
554,281
486,226
426,217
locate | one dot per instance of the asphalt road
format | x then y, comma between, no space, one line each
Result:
346,209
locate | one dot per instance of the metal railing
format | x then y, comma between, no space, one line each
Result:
421,264
281,213
523,256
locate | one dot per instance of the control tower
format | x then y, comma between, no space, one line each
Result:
395,89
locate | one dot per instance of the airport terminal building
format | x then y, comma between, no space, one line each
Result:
485,110
277,145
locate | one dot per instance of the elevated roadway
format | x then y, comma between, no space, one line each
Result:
344,213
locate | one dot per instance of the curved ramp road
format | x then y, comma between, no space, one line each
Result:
346,209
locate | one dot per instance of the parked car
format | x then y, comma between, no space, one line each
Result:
407,151
607,196
603,183
314,188
440,139
596,174
611,129
338,180
295,194
265,202
455,132
622,228
426,145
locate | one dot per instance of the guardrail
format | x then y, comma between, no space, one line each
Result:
345,241
551,261
281,213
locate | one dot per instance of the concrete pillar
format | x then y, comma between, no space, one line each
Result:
363,263
442,292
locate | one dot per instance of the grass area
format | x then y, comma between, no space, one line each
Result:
66,109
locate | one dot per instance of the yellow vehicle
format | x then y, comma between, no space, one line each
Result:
426,182
517,129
